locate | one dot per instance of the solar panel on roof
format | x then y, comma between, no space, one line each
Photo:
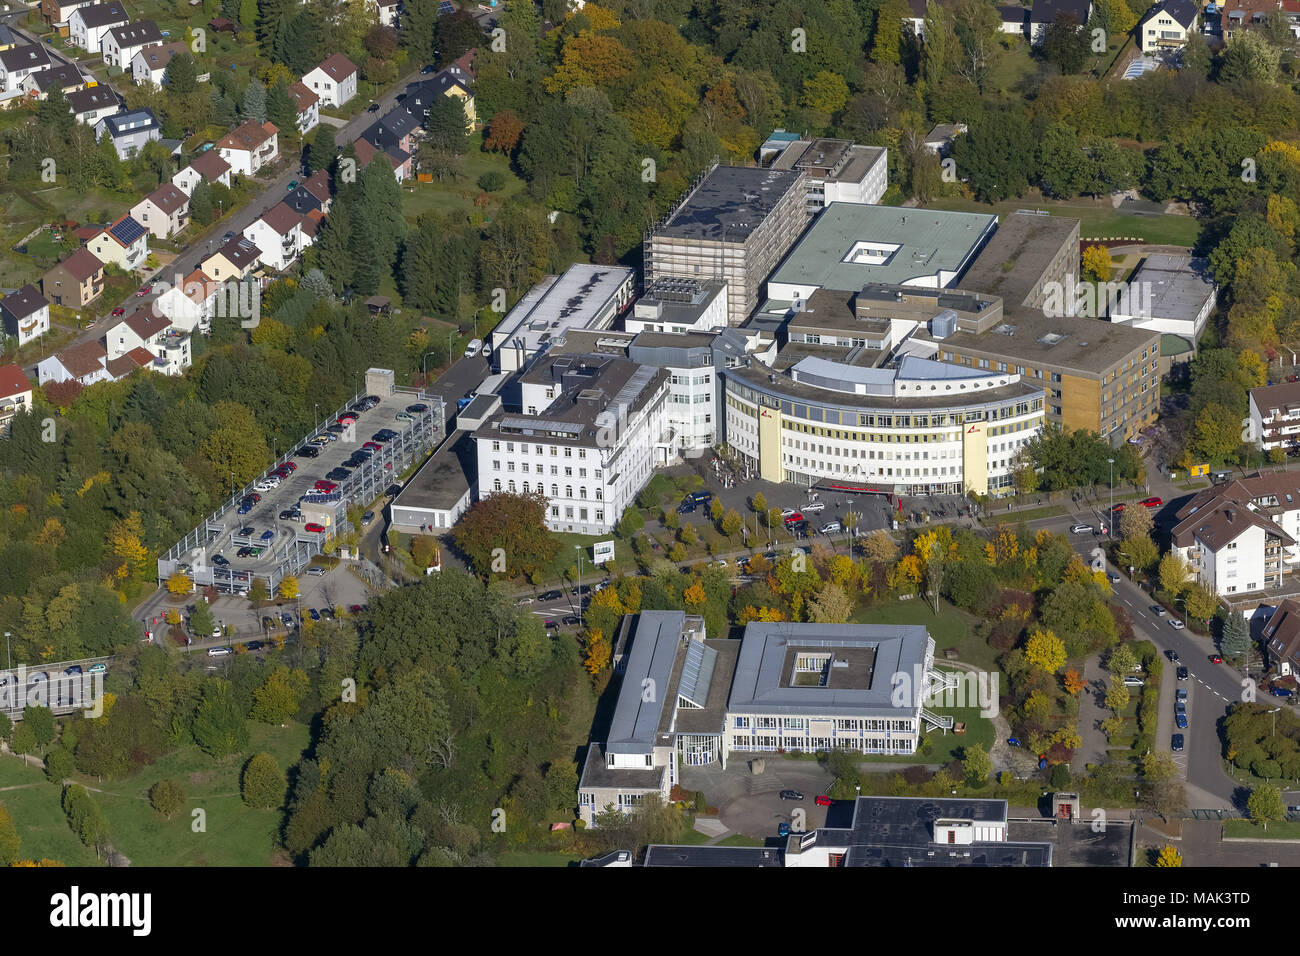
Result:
127,231
445,7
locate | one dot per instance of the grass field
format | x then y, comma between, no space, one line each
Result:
455,198
1281,830
1098,219
235,835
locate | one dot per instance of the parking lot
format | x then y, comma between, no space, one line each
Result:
270,533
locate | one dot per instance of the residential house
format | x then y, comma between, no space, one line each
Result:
1167,25
129,130
82,363
307,104
125,244
453,81
64,76
191,303
15,395
208,167
386,11
164,212
1015,19
250,147
1238,14
1046,12
398,159
120,44
235,260
92,104
149,329
334,80
1275,416
1281,632
310,227
87,25
278,235
1241,536
397,128
313,193
18,63
76,281
149,66
122,366
26,314
57,12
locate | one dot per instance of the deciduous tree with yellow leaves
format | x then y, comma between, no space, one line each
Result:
1045,650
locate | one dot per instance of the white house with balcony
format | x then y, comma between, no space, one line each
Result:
15,395
19,63
334,80
149,329
1241,536
26,314
250,147
1275,416
278,234
189,302
87,25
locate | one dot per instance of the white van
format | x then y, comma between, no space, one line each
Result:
219,651
475,346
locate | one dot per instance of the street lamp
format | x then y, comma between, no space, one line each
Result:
8,656
426,366
1274,713
1110,515
579,549
315,411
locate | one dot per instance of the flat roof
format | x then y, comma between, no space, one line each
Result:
1013,261
899,831
729,203
762,683
635,725
921,243
573,300
444,478
658,854
1086,346
1180,285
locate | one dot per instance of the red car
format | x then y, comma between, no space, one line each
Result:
326,486
144,291
314,528
347,418
1153,502
794,518
1118,508
290,465
373,446
119,311
1216,659
282,472
355,609
823,800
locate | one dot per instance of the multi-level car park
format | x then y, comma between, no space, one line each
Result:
261,531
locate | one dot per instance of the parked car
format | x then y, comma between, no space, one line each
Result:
815,507
686,507
1172,655
325,486
404,416
73,671
571,621
288,514
372,446
1281,692
1158,610
419,408
783,829
220,560
787,512
1182,673
97,668
791,795
1177,625
1180,694
550,595
119,311
366,518
830,527
243,552
313,614
793,518
245,507
1118,508
293,184
144,291
309,451
337,474
823,800
1216,658
1180,721
1081,529
312,527
1153,502
1113,578
254,646
219,651
1176,743
316,571
523,601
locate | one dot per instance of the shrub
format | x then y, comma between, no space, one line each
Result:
491,182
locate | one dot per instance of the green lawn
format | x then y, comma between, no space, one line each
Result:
1099,220
949,628
456,197
1281,830
235,835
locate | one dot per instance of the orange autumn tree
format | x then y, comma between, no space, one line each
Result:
598,653
1073,682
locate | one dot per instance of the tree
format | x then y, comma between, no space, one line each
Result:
322,148
1097,263
167,797
880,546
506,533
1122,660
1201,602
179,583
202,207
1249,56
276,701
85,817
220,726
1045,650
1117,696
202,623
758,503
1236,635
1265,805
10,841
281,110
831,605
1065,44
253,106
262,782
181,76
1140,551
504,132
1169,857
289,588
39,720
996,155
1175,575
976,765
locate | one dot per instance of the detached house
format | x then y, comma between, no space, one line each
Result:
1167,25
307,105
129,130
124,244
1046,12
120,44
453,81
87,25
93,104
15,395
150,330
385,11
334,81
235,260
20,62
26,314
312,194
278,235
191,303
76,281
398,159
164,212
208,167
56,13
149,66
397,128
250,147
65,77
83,364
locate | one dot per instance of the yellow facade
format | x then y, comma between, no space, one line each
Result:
769,444
974,459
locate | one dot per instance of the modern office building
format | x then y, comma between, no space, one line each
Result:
680,305
735,223
590,435
837,170
584,297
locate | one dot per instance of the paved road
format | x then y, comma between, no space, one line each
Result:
207,242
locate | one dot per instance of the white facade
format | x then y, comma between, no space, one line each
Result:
109,251
1275,417
33,323
20,63
160,223
651,314
52,369
250,147
1237,566
333,92
88,38
169,347
1160,31
189,305
119,52
189,177
279,250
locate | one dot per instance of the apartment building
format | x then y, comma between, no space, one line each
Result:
1241,536
334,80
1275,416
87,25
152,331
589,438
1167,25
736,223
278,234
307,105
